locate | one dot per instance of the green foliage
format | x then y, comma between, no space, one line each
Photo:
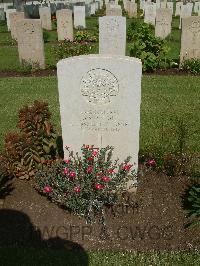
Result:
191,65
193,204
28,67
150,49
85,184
81,36
101,12
46,36
178,161
25,151
68,48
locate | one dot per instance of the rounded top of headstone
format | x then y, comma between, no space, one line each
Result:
98,56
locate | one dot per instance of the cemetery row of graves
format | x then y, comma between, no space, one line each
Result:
164,38
109,156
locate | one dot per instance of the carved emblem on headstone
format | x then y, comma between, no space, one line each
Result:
99,85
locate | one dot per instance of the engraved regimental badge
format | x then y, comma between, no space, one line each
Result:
99,85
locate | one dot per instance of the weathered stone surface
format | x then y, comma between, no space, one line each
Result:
178,8
150,13
163,22
163,4
100,99
170,5
157,4
8,11
93,8
132,12
79,17
113,10
14,17
64,24
196,7
190,38
112,35
45,17
186,12
30,42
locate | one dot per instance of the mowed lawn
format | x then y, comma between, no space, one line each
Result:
167,101
47,257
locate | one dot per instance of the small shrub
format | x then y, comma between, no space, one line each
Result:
192,203
85,36
25,151
191,65
150,49
68,48
85,184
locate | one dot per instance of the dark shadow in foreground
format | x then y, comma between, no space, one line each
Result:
22,244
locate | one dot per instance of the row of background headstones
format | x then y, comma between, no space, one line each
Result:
163,27
31,9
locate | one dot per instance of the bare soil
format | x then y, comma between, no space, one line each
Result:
156,220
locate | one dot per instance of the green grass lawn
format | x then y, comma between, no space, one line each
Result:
44,257
9,53
165,101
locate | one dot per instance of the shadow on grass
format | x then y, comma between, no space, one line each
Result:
22,244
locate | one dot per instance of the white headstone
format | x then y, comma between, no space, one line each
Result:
185,13
150,13
190,38
112,35
64,24
170,5
132,12
142,4
100,99
157,4
14,17
79,17
45,17
196,7
113,10
163,4
163,22
30,42
8,11
178,8
92,8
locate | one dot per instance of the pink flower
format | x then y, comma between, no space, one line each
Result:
98,186
72,175
106,179
67,161
127,167
90,158
151,163
89,169
94,153
48,189
66,171
77,189
110,171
